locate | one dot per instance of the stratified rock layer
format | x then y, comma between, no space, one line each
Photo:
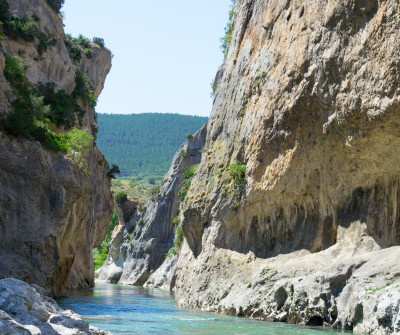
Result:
308,100
138,248
51,213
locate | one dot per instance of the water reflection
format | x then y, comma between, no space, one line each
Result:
137,310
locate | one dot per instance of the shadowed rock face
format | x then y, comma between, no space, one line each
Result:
51,214
308,100
138,248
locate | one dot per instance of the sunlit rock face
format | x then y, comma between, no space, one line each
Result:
51,213
308,100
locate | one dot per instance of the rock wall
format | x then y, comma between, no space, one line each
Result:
51,213
138,248
308,100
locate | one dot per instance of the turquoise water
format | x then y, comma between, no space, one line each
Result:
137,310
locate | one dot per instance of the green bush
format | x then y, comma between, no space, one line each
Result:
99,41
26,28
188,176
121,197
226,39
77,47
82,41
56,4
155,190
214,87
112,171
89,53
64,108
141,222
15,27
4,10
171,252
178,240
100,253
30,119
14,72
1,32
36,109
79,142
44,42
74,50
83,89
98,259
238,170
56,142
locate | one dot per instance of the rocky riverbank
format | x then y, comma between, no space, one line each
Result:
27,310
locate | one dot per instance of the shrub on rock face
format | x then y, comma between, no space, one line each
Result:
121,197
113,170
238,170
56,4
226,39
188,176
99,41
4,10
178,240
171,252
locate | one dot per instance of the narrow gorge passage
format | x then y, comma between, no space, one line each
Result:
277,213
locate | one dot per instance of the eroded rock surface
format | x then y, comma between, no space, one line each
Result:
26,310
138,248
52,213
352,285
308,100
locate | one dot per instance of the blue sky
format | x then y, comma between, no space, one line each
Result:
166,53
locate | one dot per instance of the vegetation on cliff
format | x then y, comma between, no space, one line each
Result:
77,47
226,39
100,253
237,170
36,110
178,241
26,28
56,4
188,176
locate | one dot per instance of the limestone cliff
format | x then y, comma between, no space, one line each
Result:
53,209
139,246
294,211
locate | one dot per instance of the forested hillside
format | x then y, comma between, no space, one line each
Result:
143,145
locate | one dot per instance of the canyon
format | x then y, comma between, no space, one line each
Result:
284,207
293,212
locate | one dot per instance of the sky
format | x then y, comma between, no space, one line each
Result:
166,53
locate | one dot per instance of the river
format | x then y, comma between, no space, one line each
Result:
136,310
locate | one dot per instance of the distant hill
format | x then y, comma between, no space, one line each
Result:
143,145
